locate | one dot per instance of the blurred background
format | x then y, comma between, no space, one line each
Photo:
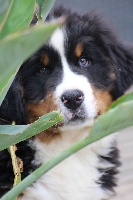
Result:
119,14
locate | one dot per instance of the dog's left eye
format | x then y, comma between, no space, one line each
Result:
84,62
41,71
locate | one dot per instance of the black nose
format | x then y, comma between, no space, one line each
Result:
72,99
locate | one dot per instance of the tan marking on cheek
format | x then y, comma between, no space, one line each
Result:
36,110
79,49
103,100
45,59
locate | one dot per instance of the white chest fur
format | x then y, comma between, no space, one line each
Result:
73,179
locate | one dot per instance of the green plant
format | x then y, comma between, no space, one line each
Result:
17,40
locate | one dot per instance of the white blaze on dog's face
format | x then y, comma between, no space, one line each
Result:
71,73
72,76
74,95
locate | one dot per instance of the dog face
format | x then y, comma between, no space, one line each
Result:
79,71
78,96
72,74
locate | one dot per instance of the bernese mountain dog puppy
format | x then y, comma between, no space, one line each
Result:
80,71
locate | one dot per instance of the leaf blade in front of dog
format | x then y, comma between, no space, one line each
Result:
18,16
20,45
44,8
113,120
99,126
10,135
124,98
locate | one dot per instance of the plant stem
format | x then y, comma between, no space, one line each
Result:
16,163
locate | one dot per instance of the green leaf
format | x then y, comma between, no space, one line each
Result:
5,82
44,8
39,13
17,17
4,6
10,135
122,99
45,168
18,47
40,2
113,120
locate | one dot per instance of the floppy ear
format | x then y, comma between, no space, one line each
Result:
122,57
13,108
119,55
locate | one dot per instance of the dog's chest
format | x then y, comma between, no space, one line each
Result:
75,178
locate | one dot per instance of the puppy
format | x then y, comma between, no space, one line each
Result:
80,71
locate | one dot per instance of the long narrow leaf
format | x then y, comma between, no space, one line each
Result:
45,168
18,47
10,135
18,16
44,8
112,121
124,98
5,84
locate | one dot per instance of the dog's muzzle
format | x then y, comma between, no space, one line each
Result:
72,99
72,107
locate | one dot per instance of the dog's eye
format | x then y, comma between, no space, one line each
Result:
41,71
84,62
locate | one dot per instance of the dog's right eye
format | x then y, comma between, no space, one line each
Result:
84,62
42,71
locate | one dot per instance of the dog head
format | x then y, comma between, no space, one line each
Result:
79,71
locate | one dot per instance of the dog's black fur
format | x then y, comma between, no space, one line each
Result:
105,50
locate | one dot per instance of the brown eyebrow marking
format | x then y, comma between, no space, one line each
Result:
79,49
45,59
113,75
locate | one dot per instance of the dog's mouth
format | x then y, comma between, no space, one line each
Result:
73,117
70,119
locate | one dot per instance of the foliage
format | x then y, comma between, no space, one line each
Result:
19,41
10,135
113,120
44,8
